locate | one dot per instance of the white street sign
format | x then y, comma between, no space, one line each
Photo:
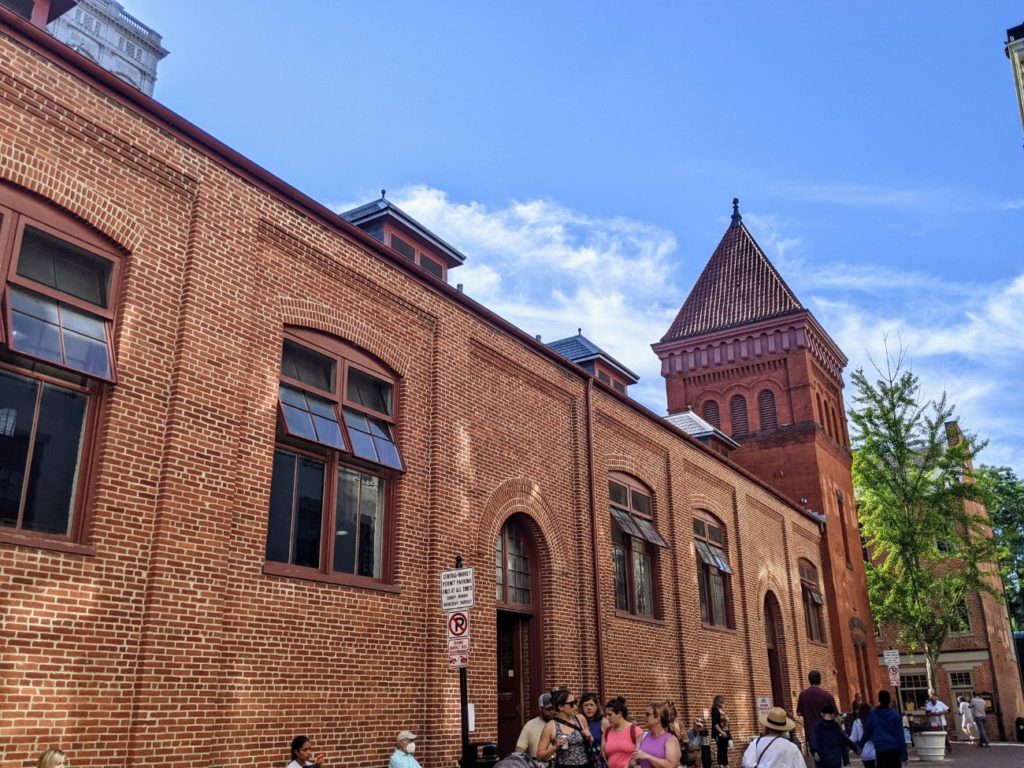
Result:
894,675
892,657
763,704
458,624
458,645
457,661
457,591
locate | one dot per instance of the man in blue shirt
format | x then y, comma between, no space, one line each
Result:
885,729
402,756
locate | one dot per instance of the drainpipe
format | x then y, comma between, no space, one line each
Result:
589,405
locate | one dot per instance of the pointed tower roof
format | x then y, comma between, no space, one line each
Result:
739,285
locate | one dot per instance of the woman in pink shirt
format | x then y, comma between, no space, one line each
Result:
621,736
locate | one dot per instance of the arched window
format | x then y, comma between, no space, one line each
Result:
822,418
513,572
59,292
738,415
635,543
335,462
812,601
711,414
766,409
714,575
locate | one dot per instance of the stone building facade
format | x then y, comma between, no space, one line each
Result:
240,438
103,31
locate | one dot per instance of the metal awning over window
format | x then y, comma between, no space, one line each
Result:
713,556
638,527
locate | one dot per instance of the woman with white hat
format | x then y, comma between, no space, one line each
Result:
774,749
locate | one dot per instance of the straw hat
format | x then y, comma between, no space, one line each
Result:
776,719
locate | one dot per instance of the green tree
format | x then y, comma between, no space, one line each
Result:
1006,512
913,476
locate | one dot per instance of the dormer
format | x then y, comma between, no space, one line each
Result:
702,430
595,361
388,223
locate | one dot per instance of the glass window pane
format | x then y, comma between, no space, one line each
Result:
369,391
309,512
307,366
362,445
698,528
702,585
356,420
643,581
328,432
83,323
86,355
371,525
292,397
55,461
387,454
403,248
36,338
34,305
621,584
282,495
499,570
718,599
626,522
618,493
716,534
648,532
345,521
17,408
431,266
298,423
641,503
65,267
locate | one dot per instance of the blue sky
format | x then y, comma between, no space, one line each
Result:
584,157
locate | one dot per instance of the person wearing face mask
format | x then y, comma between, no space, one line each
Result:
402,757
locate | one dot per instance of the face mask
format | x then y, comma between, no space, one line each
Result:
410,747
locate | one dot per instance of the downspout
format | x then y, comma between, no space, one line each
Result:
599,645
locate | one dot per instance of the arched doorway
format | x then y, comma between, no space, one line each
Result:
519,650
774,641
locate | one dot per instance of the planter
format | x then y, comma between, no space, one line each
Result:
931,745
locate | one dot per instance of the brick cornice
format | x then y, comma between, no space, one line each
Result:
728,347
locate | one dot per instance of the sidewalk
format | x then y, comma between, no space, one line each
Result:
1005,754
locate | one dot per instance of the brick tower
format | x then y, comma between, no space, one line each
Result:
744,354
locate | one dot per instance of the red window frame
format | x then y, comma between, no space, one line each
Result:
713,549
344,358
638,536
19,210
814,614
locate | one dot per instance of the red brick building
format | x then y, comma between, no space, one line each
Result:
748,357
240,437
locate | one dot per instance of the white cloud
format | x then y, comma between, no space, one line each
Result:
550,270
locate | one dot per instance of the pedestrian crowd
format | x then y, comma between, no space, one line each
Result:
580,733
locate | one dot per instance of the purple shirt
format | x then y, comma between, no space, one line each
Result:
653,746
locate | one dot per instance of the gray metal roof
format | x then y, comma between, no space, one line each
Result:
383,207
694,425
581,350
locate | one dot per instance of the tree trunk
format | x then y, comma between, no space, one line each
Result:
931,665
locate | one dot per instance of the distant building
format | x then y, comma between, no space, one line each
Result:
103,31
1015,53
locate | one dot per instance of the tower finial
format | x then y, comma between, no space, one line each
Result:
382,193
736,218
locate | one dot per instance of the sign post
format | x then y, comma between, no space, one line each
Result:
457,597
892,663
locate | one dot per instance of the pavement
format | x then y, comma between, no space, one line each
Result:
999,755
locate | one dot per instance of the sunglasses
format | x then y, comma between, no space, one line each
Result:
570,703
